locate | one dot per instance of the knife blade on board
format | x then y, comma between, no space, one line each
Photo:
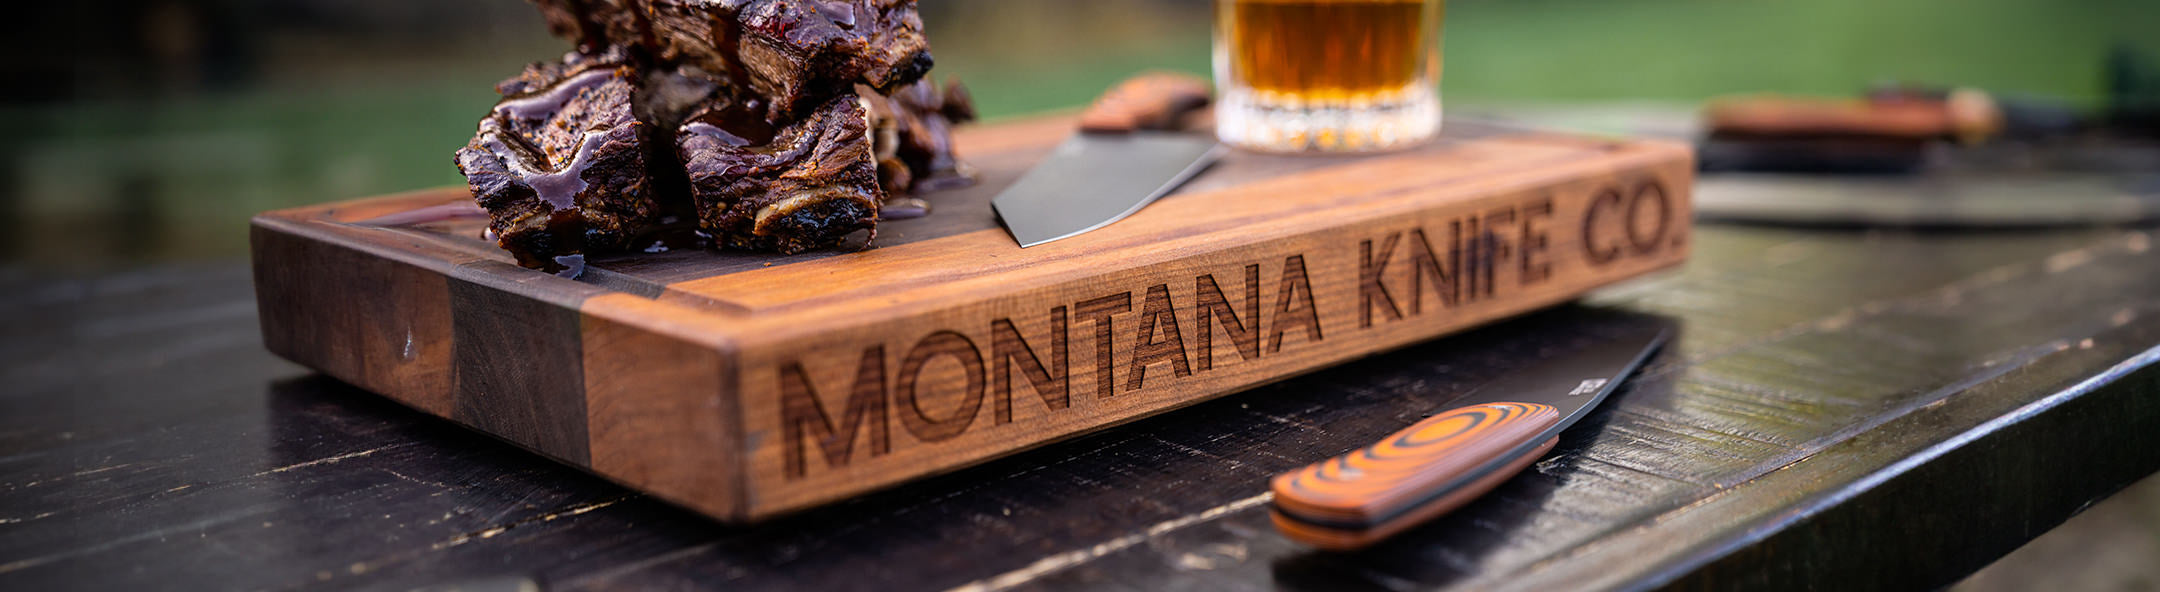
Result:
1129,151
1440,463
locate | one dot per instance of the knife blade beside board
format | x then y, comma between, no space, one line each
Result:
1135,144
1444,461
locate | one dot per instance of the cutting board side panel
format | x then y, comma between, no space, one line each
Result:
837,404
662,405
470,338
466,338
373,322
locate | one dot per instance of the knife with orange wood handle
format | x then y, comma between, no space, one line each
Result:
1440,463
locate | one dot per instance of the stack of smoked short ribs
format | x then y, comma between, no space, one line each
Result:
775,125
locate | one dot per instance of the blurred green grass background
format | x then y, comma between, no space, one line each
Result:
159,161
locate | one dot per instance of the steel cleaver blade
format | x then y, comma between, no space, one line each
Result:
1134,145
1093,179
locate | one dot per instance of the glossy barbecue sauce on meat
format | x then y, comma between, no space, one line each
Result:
545,102
841,14
550,211
739,124
560,186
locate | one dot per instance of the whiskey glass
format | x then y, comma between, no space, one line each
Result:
1327,75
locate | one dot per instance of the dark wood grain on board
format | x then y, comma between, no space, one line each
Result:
1841,409
520,370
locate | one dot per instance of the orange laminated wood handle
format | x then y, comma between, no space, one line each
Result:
1151,101
1414,475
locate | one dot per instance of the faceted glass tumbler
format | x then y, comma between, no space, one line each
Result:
1327,75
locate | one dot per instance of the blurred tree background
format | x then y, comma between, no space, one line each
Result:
151,129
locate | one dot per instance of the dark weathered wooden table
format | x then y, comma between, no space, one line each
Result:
1893,408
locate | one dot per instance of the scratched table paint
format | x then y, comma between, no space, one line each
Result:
1886,407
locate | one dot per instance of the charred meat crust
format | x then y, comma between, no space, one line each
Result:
807,186
749,119
560,163
793,53
796,53
912,128
596,25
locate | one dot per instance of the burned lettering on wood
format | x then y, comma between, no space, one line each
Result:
1372,292
1213,309
1053,384
1480,247
1294,307
920,423
1099,311
1645,204
803,417
1154,347
1621,221
1492,248
1157,340
1648,193
1443,273
1599,252
1534,267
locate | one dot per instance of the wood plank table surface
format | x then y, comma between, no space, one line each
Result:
1892,408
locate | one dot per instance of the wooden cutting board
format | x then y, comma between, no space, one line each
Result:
748,385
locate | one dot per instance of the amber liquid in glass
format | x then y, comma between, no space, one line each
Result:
1328,75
